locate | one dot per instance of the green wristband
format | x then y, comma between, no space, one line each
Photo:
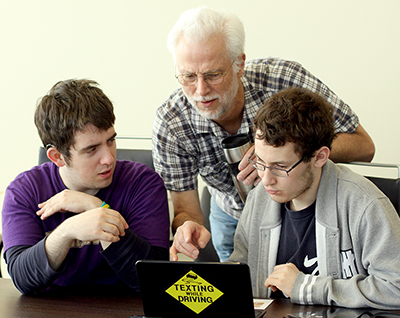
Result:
105,205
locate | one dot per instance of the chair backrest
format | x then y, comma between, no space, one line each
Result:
138,155
42,156
389,186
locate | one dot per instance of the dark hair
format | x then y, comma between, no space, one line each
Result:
299,116
67,108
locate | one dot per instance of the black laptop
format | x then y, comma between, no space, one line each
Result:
195,289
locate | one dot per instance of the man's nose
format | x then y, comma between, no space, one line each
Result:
268,178
202,87
108,156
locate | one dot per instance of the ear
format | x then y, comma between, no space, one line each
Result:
242,57
55,156
321,156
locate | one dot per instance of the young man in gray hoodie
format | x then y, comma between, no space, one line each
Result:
312,230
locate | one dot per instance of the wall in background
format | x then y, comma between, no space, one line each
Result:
353,46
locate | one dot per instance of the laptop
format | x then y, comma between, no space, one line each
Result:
195,289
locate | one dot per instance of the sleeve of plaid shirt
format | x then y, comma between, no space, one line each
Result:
277,74
174,145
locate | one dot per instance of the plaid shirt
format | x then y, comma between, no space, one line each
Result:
186,144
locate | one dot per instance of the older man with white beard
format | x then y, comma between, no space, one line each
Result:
219,97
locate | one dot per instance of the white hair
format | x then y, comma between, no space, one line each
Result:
202,23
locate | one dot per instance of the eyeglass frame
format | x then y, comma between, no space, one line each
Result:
271,169
204,76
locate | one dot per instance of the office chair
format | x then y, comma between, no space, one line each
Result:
389,186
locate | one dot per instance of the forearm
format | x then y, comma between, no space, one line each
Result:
357,292
357,146
57,246
182,217
123,255
100,224
186,208
29,268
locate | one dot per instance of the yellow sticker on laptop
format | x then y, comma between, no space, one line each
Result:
194,292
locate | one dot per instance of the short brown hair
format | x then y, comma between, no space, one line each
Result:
299,116
67,108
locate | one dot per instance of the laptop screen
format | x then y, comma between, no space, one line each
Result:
195,289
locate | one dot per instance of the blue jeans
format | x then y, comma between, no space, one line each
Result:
223,229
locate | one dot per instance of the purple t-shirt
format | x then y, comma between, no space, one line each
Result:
137,192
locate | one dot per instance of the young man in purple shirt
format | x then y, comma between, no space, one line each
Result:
84,218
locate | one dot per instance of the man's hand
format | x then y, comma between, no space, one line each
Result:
188,237
98,224
68,201
282,278
248,173
102,224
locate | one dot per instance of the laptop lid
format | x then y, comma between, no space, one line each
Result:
195,289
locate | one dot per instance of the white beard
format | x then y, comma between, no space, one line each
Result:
225,101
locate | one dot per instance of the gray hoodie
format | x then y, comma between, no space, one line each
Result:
358,243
